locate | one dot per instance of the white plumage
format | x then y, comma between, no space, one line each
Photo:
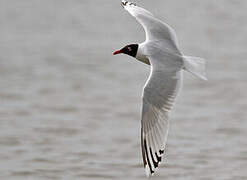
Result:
163,84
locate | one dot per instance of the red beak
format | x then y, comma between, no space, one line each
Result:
117,52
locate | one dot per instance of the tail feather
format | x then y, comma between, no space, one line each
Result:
195,65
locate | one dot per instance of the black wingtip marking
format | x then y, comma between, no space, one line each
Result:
143,151
146,150
133,4
155,163
161,152
157,157
124,3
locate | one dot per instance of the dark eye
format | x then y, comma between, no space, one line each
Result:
129,48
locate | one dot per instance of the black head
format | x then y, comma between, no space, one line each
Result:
130,50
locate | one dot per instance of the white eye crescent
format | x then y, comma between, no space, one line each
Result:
129,48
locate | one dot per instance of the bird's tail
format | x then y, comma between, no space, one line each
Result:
195,65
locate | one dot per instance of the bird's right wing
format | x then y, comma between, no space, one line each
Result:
159,95
155,29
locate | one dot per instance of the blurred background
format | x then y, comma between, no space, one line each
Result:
71,110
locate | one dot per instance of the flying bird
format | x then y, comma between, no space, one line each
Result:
160,50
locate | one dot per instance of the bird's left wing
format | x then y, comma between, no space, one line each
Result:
159,95
155,29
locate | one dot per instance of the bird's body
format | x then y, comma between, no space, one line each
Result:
160,50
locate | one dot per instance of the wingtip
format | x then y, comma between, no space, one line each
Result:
147,171
125,3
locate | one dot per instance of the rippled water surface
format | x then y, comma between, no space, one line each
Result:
70,110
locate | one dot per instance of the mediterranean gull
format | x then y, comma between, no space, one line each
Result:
160,50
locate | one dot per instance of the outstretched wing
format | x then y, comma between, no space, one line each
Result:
155,29
159,95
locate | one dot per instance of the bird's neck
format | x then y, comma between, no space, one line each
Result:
140,55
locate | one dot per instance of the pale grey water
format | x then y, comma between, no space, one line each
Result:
70,110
